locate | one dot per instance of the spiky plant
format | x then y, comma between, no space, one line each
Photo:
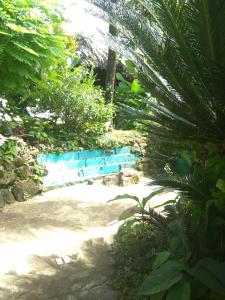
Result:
179,49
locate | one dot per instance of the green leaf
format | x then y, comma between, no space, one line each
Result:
150,196
220,184
178,265
136,87
130,65
166,203
125,196
211,273
130,212
180,291
160,280
161,258
158,296
120,77
4,33
25,48
199,289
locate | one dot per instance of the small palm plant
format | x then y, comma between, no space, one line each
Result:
178,47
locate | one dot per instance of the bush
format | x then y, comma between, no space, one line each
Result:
75,101
133,252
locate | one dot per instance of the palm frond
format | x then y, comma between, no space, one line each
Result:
178,46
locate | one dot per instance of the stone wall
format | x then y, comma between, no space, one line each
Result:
77,166
19,173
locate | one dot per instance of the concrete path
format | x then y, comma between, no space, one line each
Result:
73,222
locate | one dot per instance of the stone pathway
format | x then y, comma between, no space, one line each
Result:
74,221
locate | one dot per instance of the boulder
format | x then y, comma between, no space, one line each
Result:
129,176
125,181
128,172
6,197
23,172
19,162
7,179
8,166
18,193
111,180
25,189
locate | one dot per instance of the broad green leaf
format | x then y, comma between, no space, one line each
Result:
136,87
160,280
178,265
161,258
150,196
125,196
130,65
199,289
211,273
180,291
158,296
120,77
165,203
130,212
220,184
123,87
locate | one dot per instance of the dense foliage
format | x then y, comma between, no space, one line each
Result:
73,98
177,48
31,40
129,92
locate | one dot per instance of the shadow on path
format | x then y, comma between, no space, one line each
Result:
80,279
74,221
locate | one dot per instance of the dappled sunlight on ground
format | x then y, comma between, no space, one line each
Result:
72,221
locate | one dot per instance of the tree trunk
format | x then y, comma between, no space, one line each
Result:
111,70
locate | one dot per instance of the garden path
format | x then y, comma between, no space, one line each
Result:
74,222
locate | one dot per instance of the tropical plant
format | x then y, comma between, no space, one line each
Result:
128,93
178,48
177,272
31,41
73,99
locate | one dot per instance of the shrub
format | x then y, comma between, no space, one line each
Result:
133,253
75,101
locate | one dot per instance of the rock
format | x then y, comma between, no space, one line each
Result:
128,172
111,180
2,200
23,172
18,193
125,181
8,166
25,189
6,197
19,162
90,181
7,179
